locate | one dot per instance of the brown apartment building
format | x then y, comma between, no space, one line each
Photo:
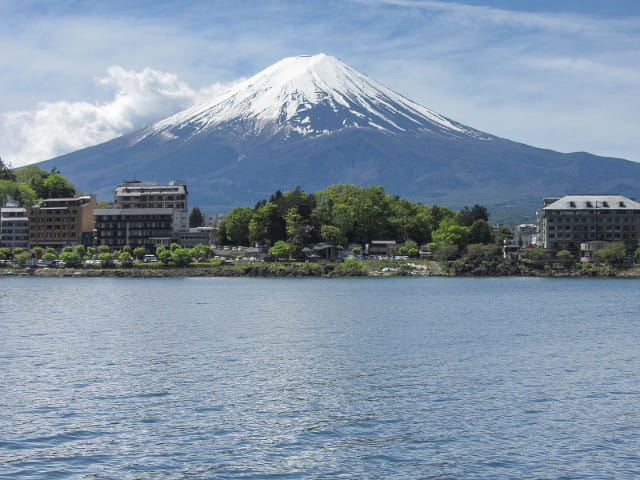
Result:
58,222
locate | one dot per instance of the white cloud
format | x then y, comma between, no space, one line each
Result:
55,128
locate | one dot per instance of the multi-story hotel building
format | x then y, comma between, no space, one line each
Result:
144,214
58,222
136,194
574,219
14,227
136,227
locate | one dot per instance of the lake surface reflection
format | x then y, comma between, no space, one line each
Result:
316,378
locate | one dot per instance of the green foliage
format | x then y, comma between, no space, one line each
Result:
332,235
3,256
139,253
504,234
195,218
106,258
481,232
49,256
91,251
414,252
81,250
280,249
104,249
126,260
174,247
237,225
612,253
267,224
67,249
564,254
350,266
449,233
164,255
18,250
535,253
34,177
181,256
468,217
201,251
58,186
70,259
357,251
22,258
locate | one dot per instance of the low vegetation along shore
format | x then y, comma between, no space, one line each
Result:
347,268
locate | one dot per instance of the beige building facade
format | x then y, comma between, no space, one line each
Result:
59,222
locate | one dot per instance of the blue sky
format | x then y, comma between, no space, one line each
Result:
555,74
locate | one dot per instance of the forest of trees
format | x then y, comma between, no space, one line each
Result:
30,184
342,214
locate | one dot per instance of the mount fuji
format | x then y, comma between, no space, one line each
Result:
312,121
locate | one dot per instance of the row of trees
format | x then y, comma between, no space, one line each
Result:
76,256
342,214
30,184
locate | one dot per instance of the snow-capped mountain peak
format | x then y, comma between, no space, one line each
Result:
305,95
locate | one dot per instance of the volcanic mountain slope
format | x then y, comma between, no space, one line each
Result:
312,121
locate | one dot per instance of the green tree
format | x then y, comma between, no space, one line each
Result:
106,258
91,251
201,251
67,249
104,249
614,252
174,246
26,195
38,251
8,188
481,232
164,256
139,253
469,217
236,225
181,257
564,254
81,250
71,259
280,249
49,257
34,177
125,259
450,233
195,218
267,225
332,235
22,258
58,186
504,235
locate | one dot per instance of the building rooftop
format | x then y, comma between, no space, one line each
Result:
590,202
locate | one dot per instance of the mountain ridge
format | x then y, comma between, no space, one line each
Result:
314,121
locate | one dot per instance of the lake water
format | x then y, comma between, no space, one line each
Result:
316,378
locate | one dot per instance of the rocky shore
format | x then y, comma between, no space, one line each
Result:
298,270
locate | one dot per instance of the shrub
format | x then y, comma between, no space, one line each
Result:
106,258
70,259
125,259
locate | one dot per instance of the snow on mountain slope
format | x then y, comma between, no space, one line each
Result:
308,96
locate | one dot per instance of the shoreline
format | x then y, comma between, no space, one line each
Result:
286,270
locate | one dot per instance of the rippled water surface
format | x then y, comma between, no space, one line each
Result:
357,378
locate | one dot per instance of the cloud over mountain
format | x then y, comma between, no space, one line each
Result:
55,128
